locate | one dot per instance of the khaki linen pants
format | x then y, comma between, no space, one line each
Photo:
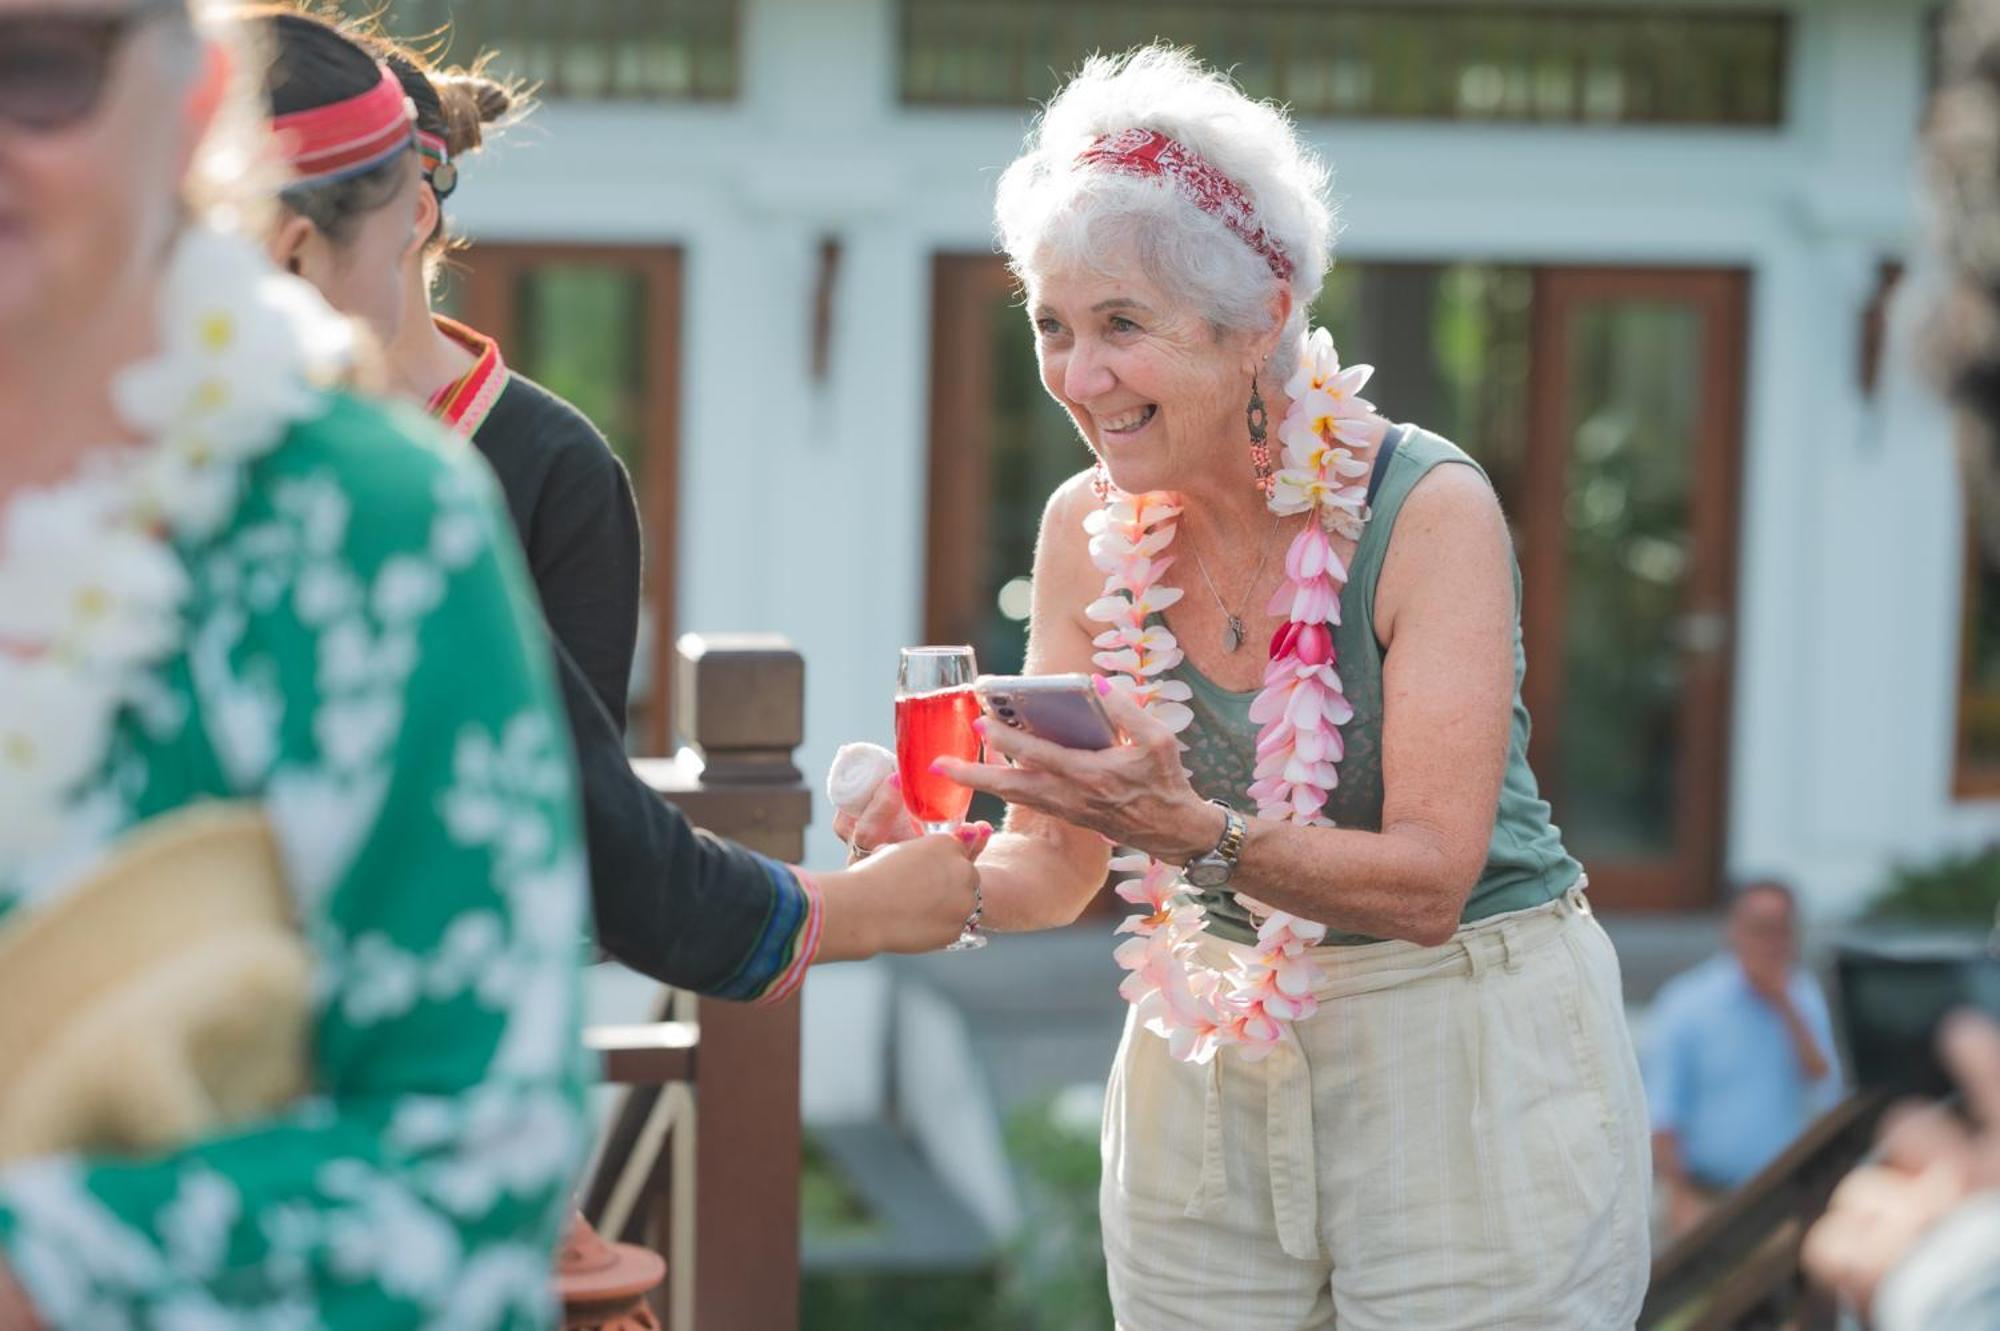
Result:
1457,1139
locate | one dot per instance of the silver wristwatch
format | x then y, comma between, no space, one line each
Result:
1214,869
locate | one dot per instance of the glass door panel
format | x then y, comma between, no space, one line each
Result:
1626,534
1634,471
600,328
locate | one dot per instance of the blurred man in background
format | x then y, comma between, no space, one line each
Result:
1739,1057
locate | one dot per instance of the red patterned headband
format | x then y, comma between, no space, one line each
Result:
345,138
1142,152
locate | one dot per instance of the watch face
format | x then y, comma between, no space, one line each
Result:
1208,873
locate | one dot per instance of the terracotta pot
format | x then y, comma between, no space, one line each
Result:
603,1286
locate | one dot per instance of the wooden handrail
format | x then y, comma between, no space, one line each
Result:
1744,1255
701,1161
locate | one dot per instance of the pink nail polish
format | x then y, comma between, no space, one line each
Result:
895,780
979,726
937,767
1103,685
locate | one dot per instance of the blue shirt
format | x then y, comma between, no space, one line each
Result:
1723,1076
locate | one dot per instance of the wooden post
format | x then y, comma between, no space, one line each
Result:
740,705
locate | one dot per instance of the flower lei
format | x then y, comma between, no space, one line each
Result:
1327,435
91,586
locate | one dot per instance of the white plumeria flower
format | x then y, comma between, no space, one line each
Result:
104,603
53,724
91,586
240,345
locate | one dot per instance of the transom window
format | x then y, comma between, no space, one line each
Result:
1614,66
595,50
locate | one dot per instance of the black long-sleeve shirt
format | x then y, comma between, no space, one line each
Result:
572,504
673,902
670,901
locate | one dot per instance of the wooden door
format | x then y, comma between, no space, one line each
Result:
1633,477
600,326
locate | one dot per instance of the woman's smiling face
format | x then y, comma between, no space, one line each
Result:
1155,391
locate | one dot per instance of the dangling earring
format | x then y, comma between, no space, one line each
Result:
1100,482
1260,444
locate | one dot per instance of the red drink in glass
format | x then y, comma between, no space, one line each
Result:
930,726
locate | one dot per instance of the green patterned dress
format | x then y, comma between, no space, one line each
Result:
362,657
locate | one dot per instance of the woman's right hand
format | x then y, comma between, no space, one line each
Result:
883,821
913,896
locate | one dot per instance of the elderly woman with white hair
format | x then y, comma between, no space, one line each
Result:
1377,1072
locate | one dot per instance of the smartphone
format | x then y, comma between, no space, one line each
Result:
1062,709
1893,996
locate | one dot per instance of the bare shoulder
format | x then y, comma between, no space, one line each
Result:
1450,541
1456,494
1071,503
1065,581
1062,547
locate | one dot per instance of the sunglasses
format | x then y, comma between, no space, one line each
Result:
54,64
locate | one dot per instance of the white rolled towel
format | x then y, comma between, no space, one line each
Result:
858,771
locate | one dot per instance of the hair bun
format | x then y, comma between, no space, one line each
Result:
471,101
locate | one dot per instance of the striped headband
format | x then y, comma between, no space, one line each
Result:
345,138
1143,152
436,151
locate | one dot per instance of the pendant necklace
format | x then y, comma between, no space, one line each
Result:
1233,631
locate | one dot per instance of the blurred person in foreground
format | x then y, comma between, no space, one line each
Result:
1912,1238
377,139
225,582
229,587
1740,1057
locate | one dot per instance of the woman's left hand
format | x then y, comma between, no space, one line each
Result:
1135,794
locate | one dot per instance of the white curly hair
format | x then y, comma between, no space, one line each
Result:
1048,213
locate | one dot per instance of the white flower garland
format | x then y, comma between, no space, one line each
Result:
91,586
1328,434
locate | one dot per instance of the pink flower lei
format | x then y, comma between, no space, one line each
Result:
1328,435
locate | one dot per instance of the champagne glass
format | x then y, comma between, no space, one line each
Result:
935,709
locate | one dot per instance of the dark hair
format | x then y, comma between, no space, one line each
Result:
1743,890
313,64
319,60
455,104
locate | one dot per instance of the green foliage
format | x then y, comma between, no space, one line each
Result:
1050,1279
1053,1279
1953,890
829,1209
882,1300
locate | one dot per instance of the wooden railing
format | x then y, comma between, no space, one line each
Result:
1740,1266
701,1161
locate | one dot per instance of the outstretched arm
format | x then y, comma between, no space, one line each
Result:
701,913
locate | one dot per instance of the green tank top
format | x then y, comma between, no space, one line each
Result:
1526,864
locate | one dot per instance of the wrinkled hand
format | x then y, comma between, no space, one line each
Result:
910,897
1930,1162
1135,794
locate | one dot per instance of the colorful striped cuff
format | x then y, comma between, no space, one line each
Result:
787,943
805,944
